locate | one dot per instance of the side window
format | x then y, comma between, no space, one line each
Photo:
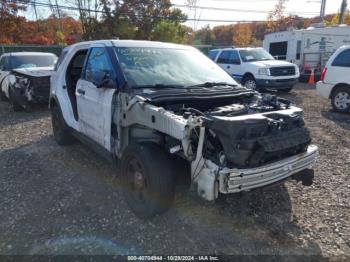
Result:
97,63
212,54
234,58
343,59
224,57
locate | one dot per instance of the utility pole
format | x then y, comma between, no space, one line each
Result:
343,7
323,10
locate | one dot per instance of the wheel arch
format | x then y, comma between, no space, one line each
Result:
335,88
246,75
53,102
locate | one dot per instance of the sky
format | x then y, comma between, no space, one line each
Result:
305,8
233,10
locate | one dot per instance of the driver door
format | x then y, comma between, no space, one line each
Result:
94,97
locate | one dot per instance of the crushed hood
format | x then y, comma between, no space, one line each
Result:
35,71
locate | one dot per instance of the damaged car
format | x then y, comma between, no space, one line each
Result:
143,105
25,78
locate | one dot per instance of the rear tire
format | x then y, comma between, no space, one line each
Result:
60,129
341,99
148,179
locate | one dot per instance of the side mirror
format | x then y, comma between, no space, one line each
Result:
102,79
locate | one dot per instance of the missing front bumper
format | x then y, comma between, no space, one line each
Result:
236,180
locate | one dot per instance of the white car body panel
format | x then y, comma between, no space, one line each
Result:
95,114
335,75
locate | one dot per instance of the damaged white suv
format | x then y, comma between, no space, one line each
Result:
144,104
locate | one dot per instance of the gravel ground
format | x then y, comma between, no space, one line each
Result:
64,200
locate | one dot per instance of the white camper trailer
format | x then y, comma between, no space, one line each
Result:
309,48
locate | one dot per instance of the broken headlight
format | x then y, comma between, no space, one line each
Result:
22,82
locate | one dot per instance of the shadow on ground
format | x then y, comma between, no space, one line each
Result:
342,120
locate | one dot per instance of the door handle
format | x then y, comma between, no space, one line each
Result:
81,91
228,67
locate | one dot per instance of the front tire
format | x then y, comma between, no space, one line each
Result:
148,179
250,82
60,129
341,99
15,105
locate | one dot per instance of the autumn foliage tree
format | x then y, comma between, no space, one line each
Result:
9,21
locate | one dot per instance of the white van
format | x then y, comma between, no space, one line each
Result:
255,68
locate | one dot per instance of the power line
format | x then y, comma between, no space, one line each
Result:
237,10
42,4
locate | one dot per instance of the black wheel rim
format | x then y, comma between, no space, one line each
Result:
136,180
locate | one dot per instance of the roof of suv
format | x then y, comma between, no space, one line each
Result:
133,43
236,48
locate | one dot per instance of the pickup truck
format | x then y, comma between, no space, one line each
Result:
144,104
256,69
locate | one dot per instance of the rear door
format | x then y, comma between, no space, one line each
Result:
95,102
229,60
339,69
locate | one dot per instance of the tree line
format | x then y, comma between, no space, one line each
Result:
135,19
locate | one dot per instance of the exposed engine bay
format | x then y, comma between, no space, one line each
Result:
236,141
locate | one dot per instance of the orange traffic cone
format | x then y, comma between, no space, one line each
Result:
312,78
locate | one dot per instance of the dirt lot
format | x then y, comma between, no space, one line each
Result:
64,199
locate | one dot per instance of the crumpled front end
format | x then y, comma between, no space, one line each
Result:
31,89
232,145
255,140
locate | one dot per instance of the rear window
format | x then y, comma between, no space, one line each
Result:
212,54
27,61
343,59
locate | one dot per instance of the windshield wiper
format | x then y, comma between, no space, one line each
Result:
212,84
158,86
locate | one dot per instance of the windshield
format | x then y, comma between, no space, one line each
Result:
249,55
27,61
146,66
